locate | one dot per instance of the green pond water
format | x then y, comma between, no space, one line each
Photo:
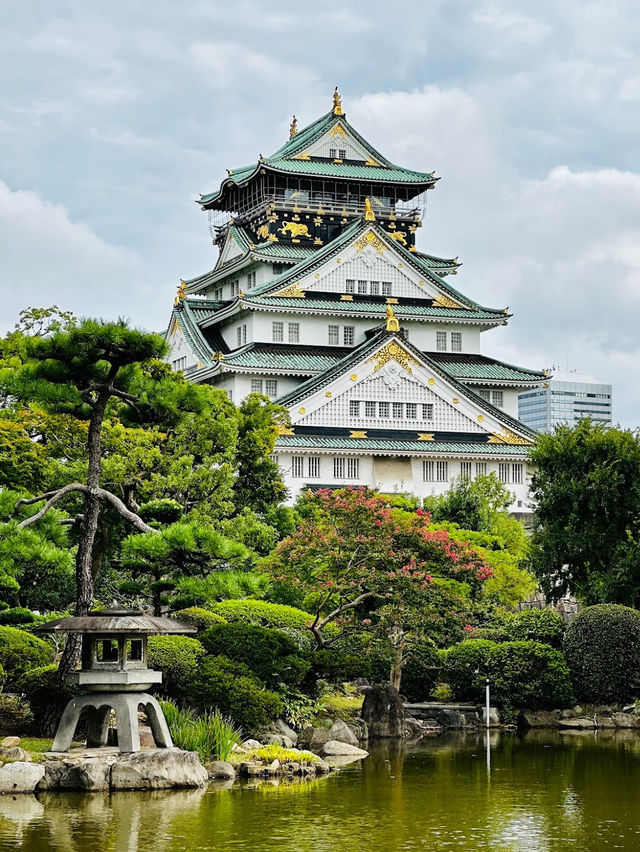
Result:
543,791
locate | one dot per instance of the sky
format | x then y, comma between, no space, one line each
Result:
115,115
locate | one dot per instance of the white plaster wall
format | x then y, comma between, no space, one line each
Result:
229,331
179,348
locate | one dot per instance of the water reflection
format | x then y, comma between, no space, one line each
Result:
543,791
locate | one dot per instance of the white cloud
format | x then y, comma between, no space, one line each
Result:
229,64
516,26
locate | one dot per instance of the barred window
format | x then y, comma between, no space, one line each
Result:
256,385
465,470
386,288
350,285
297,466
179,364
251,280
516,473
369,409
235,288
428,471
456,341
271,387
412,410
334,335
338,468
383,409
398,410
229,394
374,288
497,398
278,268
218,293
441,341
503,472
442,471
481,468
314,467
332,152
354,408
362,288
484,394
348,335
277,331
342,153
241,335
353,468
427,411
294,332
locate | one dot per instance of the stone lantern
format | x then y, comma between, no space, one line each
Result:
114,676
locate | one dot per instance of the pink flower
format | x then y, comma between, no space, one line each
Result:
419,511
468,628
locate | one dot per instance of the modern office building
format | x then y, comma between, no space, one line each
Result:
567,397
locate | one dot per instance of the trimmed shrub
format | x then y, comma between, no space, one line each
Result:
529,674
47,697
466,666
537,625
17,615
337,666
243,698
421,672
20,651
178,658
602,649
271,656
263,614
200,618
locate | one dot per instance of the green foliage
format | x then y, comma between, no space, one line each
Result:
258,485
471,503
218,587
268,753
466,667
178,658
538,625
586,532
17,615
164,510
602,648
252,530
263,614
421,671
20,652
22,461
47,696
337,666
239,696
529,674
211,734
200,618
270,655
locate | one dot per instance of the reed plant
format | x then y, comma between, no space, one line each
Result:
210,734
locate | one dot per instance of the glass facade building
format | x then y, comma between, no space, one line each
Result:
567,398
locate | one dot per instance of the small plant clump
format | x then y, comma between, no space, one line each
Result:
269,753
211,735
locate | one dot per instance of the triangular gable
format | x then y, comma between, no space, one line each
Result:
337,139
394,371
232,247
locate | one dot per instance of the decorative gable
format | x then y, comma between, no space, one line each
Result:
339,144
230,249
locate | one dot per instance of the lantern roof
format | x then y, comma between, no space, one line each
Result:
115,620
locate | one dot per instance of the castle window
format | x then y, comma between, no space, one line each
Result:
386,288
235,288
348,335
277,331
229,394
497,398
369,409
427,411
332,152
428,471
251,280
481,468
297,466
241,335
338,468
484,394
271,388
442,471
441,341
412,411
278,268
465,470
353,468
217,293
456,341
179,364
314,467
354,408
516,473
350,285
342,153
362,288
383,409
374,288
348,468
398,410
504,471
334,335
294,332
256,385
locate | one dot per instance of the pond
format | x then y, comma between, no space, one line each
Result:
542,791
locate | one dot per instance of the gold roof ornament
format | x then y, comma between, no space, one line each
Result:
337,103
294,128
181,293
392,320
369,215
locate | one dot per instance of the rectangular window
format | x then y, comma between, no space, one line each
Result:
235,288
503,472
427,411
277,331
314,467
334,335
179,364
456,341
374,288
239,335
294,332
297,466
251,280
333,152
497,398
271,388
398,410
217,293
338,468
354,408
516,473
353,468
229,394
278,268
442,471
383,409
348,335
342,153
386,288
485,394
441,341
481,468
369,409
465,470
428,471
350,285
256,385
362,288
412,411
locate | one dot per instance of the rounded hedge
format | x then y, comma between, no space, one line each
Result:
271,656
537,625
178,658
222,683
337,666
602,649
466,666
200,618
529,674
263,613
21,651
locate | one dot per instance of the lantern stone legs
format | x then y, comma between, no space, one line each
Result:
125,706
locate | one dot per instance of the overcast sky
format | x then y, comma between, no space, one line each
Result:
115,115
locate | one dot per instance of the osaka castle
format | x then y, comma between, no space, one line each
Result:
320,300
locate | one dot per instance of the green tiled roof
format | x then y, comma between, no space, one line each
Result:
375,308
294,442
186,315
273,356
479,367
283,250
326,168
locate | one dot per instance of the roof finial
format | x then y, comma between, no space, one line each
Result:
180,293
337,103
392,320
294,128
369,215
